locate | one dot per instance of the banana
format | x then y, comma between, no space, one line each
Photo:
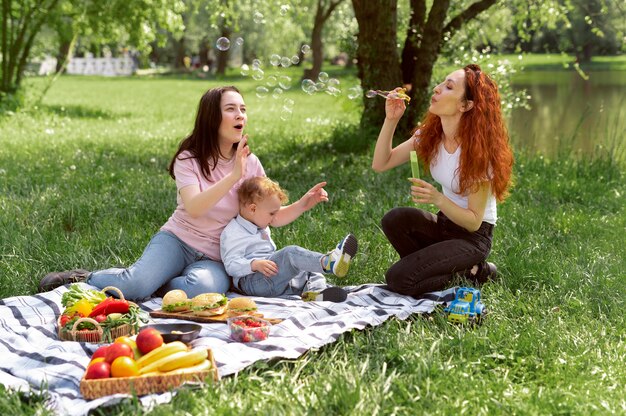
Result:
154,366
184,360
163,351
203,366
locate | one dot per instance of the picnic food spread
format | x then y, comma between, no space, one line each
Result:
91,316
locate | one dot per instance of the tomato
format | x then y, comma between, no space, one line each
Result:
64,320
100,318
124,367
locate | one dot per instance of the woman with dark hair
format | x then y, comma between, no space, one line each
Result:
208,168
463,142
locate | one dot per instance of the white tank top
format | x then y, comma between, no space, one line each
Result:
444,169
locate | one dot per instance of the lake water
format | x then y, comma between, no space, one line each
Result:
568,112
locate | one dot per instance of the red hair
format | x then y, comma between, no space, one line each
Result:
482,134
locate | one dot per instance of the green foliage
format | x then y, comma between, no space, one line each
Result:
83,182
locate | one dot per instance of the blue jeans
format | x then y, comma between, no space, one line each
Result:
165,261
299,270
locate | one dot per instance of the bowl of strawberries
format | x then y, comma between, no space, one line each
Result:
247,328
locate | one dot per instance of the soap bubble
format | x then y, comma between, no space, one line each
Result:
295,59
308,86
261,91
275,60
257,74
256,63
288,103
355,92
305,49
284,9
334,91
271,81
205,68
277,93
285,62
286,114
285,82
258,17
223,44
371,94
323,76
245,70
239,41
333,82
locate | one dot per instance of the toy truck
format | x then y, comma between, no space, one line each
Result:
466,307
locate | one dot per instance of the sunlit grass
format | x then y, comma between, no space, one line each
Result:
83,183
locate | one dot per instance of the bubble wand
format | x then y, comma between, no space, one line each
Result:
401,94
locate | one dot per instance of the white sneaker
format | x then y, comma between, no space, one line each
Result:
338,260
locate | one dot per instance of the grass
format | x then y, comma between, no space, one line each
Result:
83,183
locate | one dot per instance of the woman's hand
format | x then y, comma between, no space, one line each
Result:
424,193
394,106
314,196
241,157
266,267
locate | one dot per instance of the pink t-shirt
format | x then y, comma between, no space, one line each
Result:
203,233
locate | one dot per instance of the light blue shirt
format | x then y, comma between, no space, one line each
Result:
242,242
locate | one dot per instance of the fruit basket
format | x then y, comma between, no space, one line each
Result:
146,384
99,329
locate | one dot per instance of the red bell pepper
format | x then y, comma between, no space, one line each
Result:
110,305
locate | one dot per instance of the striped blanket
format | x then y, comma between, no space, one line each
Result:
32,358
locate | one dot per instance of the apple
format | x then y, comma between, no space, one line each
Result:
148,339
100,352
98,370
118,350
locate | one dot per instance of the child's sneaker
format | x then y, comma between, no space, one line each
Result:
330,294
338,260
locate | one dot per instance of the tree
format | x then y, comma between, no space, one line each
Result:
428,31
133,22
323,12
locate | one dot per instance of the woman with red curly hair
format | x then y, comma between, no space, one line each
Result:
463,142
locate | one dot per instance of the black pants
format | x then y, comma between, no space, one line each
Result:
432,248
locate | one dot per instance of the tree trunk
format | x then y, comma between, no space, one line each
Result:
222,56
321,16
377,56
316,48
426,54
413,40
204,51
179,52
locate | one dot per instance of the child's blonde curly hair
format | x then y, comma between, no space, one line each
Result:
253,190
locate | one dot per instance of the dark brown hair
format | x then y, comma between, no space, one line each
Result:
203,142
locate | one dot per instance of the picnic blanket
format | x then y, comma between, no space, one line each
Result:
33,358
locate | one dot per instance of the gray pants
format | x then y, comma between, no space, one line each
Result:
299,270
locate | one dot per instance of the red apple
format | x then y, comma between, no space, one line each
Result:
118,350
100,352
149,339
98,370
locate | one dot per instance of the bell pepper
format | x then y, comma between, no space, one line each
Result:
110,305
82,307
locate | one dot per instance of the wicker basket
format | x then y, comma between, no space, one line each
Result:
147,384
95,335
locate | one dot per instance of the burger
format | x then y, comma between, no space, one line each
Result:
175,301
241,306
209,304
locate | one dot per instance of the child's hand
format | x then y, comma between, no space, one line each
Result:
314,196
241,157
267,267
424,193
